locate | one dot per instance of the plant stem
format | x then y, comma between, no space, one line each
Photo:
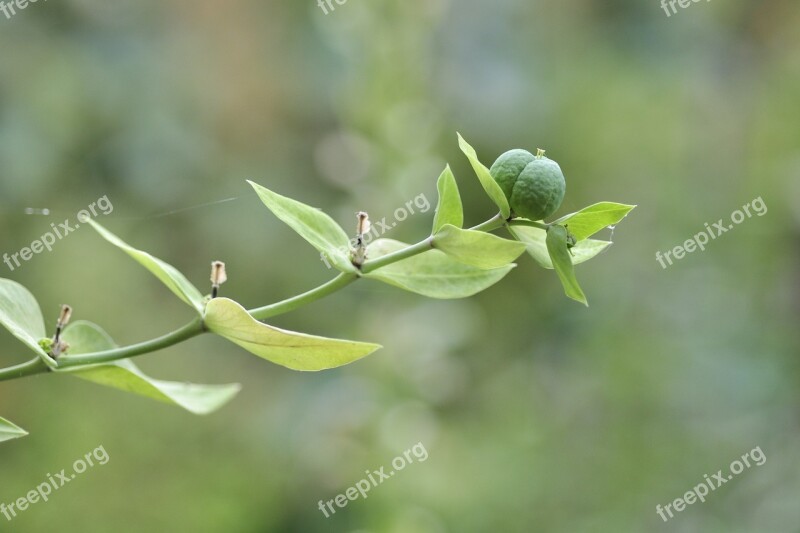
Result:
290,304
399,255
192,329
529,223
344,279
196,327
492,224
34,366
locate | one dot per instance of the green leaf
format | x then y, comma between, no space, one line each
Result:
166,273
592,219
535,240
449,209
432,273
320,230
296,351
10,431
487,181
20,314
85,337
559,254
477,248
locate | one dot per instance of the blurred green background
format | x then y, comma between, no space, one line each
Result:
538,414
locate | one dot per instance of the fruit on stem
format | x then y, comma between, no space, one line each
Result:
533,184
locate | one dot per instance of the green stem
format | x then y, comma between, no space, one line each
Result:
399,255
492,224
293,303
34,366
344,279
192,329
196,327
529,223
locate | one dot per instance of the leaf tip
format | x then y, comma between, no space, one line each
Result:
462,143
580,298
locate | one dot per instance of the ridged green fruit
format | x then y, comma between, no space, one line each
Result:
533,184
508,167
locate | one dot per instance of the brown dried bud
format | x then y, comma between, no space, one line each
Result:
363,223
63,318
218,275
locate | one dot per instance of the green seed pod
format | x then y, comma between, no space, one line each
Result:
533,185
